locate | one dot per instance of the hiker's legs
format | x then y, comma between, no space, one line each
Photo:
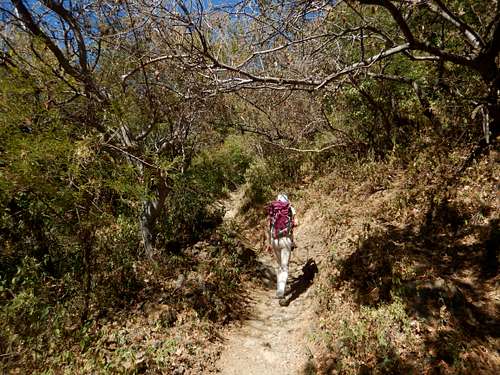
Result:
277,245
277,251
283,271
284,251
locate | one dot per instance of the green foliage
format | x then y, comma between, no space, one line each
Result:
278,170
221,169
260,177
27,307
70,205
411,103
374,327
367,338
191,207
67,223
29,317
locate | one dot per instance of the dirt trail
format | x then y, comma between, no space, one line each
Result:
274,340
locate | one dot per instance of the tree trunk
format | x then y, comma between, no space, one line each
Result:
487,67
148,219
494,111
150,212
87,237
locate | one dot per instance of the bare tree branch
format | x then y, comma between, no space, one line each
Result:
312,150
413,43
32,26
126,76
68,17
363,64
82,74
471,36
396,15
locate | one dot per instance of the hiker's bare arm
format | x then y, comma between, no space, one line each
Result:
267,239
295,221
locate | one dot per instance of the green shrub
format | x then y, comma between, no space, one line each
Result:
260,177
191,207
221,169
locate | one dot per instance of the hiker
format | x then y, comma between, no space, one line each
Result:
279,234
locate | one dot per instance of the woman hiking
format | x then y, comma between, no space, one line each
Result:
279,235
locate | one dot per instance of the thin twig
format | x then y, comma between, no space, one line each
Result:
131,155
317,151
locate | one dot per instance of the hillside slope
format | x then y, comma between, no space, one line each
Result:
405,284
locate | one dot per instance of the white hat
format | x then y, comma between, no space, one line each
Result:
282,197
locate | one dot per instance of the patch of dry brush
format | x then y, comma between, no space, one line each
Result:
410,284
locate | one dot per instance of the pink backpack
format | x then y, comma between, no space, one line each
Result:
280,218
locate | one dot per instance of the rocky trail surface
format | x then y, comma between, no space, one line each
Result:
274,338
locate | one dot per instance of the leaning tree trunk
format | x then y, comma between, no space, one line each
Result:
148,220
151,210
155,202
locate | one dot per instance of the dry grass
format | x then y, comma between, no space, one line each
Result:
411,279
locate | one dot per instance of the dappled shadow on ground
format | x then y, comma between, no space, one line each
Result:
392,364
300,284
266,275
444,271
208,278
